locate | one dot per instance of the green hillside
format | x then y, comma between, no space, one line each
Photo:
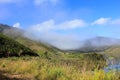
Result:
112,51
18,35
9,47
3,27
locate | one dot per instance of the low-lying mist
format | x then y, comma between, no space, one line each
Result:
69,41
62,40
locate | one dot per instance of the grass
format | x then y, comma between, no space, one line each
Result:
38,68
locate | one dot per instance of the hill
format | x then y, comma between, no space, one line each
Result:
112,51
9,47
103,45
98,44
3,27
18,35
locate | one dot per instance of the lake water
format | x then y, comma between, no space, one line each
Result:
112,65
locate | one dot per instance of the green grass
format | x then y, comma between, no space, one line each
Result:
69,67
10,47
18,35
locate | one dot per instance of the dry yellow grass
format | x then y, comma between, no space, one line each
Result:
43,69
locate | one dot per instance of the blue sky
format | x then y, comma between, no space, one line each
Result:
59,20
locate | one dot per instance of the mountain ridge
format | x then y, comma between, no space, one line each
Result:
18,35
97,44
10,47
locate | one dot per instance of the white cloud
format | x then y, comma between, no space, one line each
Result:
40,2
51,25
47,25
16,25
72,24
107,22
62,41
47,31
101,21
6,1
9,1
115,22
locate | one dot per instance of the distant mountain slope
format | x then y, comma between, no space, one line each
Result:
103,45
18,35
99,44
112,51
9,47
3,27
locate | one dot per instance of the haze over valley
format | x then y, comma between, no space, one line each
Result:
59,40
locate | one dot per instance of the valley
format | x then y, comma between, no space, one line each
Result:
26,59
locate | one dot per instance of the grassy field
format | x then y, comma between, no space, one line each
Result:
66,67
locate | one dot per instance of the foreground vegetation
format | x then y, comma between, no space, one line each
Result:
10,47
68,67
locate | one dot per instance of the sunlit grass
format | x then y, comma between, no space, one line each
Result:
44,69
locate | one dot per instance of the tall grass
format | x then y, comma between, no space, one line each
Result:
44,69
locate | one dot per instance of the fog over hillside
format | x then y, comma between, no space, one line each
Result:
70,42
61,41
62,23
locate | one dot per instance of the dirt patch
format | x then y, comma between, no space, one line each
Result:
5,76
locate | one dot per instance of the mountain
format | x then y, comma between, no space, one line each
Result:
18,35
112,51
102,41
3,27
98,44
109,47
9,47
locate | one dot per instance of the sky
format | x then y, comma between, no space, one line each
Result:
63,23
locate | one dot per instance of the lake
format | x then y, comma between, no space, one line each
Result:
113,64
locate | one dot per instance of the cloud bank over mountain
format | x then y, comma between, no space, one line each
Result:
58,34
63,22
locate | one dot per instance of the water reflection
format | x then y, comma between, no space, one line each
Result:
113,64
